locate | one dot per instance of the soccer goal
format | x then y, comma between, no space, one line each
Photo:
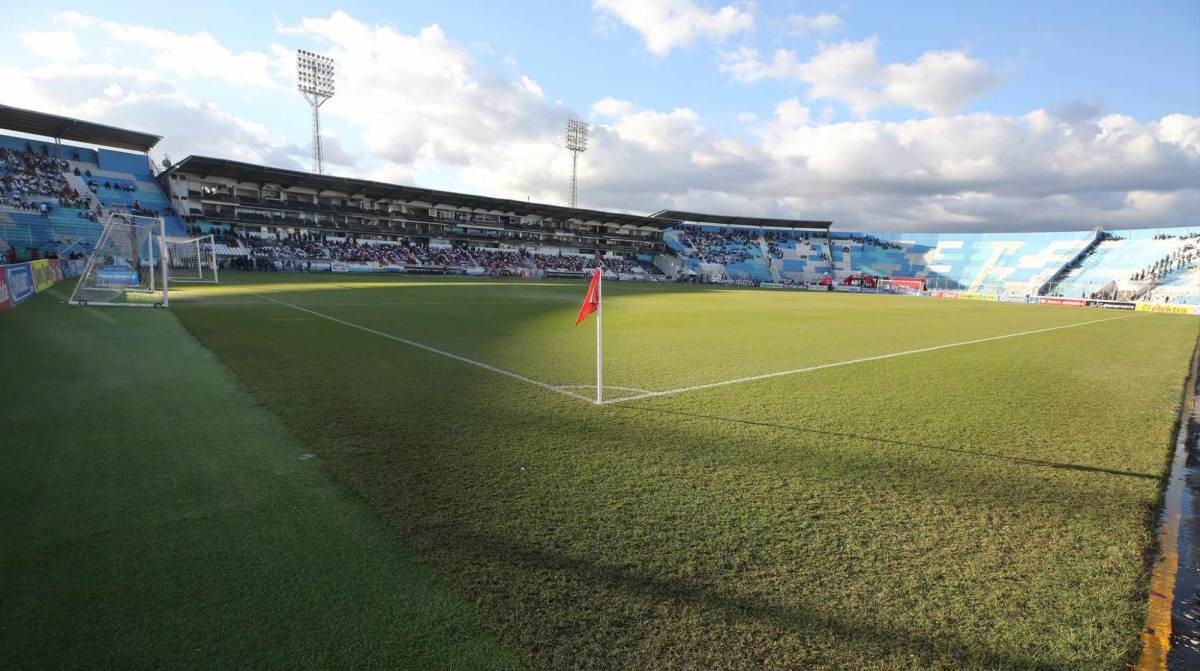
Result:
127,266
192,259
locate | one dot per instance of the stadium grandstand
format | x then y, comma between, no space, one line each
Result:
286,218
54,192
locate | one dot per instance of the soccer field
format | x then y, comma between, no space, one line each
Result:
900,483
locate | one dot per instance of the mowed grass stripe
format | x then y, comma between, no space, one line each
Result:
157,516
985,508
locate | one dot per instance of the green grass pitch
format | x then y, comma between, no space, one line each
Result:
980,500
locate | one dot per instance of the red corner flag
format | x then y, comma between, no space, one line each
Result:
591,300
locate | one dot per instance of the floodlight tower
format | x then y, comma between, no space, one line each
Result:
577,140
314,79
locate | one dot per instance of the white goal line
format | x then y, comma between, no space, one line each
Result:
565,390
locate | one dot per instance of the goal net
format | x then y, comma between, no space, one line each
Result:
126,266
192,259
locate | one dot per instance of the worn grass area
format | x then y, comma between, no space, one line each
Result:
982,507
153,516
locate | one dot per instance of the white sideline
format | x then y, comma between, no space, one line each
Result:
849,362
434,350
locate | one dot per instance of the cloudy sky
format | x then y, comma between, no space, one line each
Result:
880,116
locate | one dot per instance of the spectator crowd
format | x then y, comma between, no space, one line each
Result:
272,252
719,247
34,182
1181,259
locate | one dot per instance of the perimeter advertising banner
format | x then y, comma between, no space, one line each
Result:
1163,308
5,299
20,283
908,284
1112,305
971,296
1012,298
1054,300
43,274
944,294
117,277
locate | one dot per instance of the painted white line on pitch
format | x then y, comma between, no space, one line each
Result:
606,387
434,350
498,301
509,301
851,362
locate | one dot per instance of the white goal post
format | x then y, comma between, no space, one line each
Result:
127,266
192,259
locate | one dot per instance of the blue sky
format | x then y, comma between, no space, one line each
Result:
882,115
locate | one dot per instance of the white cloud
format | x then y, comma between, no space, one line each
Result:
420,99
1182,130
815,23
666,24
417,108
53,45
611,107
192,55
656,131
532,87
140,99
939,82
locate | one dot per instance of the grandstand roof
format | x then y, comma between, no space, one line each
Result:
249,172
726,220
66,128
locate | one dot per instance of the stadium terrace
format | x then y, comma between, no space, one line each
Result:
271,219
382,425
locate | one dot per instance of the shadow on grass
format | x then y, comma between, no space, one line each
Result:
884,641
900,443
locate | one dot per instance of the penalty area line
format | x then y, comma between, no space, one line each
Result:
433,350
851,362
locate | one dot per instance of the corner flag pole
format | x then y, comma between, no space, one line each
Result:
599,339
591,303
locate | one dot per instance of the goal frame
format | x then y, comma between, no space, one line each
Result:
201,258
156,237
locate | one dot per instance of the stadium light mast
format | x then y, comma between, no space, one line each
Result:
577,140
314,79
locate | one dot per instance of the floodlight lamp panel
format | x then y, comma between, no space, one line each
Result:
577,135
314,73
